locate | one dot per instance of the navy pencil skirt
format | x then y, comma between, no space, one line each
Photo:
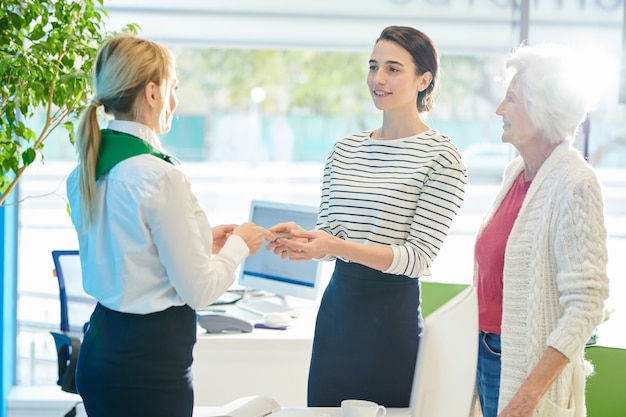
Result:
133,365
366,338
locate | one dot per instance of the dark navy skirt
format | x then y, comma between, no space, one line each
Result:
137,365
366,338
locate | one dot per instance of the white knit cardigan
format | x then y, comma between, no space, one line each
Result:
555,280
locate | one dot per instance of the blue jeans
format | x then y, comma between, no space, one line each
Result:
488,372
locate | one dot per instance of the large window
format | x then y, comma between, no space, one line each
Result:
258,124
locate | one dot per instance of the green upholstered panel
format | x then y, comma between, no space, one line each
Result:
435,294
606,388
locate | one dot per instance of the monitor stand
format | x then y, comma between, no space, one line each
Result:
262,305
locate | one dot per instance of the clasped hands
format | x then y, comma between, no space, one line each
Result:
302,245
298,245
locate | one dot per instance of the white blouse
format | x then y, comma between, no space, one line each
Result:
149,247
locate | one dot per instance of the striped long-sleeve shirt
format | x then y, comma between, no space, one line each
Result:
401,192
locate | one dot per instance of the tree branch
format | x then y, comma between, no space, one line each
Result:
13,184
53,84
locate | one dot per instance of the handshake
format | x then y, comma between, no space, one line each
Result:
288,240
291,241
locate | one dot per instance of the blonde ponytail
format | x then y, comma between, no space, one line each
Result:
88,144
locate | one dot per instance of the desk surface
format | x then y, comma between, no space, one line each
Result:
302,412
272,363
301,327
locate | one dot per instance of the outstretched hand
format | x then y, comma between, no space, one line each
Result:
279,229
303,245
253,235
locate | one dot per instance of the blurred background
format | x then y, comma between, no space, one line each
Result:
266,87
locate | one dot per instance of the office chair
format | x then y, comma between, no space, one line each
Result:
606,387
436,294
76,307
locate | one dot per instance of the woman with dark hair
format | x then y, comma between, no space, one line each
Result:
145,244
389,197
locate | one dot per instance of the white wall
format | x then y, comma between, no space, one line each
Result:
456,26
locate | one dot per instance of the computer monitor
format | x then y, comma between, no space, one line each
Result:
272,274
445,372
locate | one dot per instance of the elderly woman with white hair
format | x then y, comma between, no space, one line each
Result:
540,254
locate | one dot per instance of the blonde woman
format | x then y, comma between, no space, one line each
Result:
148,253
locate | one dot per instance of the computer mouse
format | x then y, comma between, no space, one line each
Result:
277,319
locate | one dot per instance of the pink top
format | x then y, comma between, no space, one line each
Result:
489,253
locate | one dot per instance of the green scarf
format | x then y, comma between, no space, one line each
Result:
117,146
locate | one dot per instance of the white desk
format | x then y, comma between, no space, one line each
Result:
331,411
272,363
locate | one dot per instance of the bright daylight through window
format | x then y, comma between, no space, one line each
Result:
259,124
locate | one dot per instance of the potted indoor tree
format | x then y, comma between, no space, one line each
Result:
47,53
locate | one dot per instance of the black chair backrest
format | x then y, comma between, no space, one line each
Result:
76,304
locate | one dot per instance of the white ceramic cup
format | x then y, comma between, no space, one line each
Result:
362,408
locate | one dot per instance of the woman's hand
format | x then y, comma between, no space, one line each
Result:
253,235
220,235
545,372
305,245
281,228
302,245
